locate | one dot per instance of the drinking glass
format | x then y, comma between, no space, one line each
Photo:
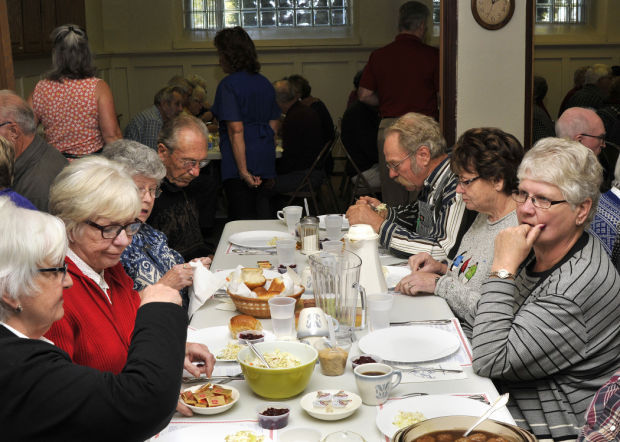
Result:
333,226
379,307
285,249
282,309
292,215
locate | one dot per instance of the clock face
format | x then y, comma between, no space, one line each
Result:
492,14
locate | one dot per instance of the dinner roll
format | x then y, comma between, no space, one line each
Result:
241,323
253,277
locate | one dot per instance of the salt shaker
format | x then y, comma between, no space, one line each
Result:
309,232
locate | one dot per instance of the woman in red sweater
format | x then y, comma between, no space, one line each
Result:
99,204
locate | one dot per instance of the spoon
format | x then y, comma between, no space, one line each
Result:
498,403
258,354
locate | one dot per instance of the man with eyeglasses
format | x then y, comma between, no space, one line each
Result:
415,153
182,147
36,162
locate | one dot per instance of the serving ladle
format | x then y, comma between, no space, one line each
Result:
498,403
258,354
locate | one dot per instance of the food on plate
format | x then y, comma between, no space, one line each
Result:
453,436
244,436
252,336
329,402
364,360
253,277
273,418
240,323
406,418
207,395
229,352
333,361
277,359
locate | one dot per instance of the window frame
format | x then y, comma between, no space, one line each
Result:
582,10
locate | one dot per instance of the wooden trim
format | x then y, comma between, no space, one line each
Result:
7,77
448,69
529,74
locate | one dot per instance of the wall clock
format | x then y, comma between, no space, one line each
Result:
492,14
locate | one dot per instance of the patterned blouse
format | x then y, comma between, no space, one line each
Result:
68,111
148,258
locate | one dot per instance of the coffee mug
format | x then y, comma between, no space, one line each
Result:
375,382
313,322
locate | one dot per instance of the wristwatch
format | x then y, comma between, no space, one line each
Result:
502,274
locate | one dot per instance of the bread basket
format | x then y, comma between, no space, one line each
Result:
257,307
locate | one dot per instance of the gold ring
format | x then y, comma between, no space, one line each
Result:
185,266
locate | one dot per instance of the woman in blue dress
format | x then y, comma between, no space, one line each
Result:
246,108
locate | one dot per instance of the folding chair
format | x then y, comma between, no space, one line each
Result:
354,189
305,188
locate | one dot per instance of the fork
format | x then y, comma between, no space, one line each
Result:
426,321
218,379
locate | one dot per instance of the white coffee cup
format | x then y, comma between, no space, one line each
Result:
313,322
375,382
291,215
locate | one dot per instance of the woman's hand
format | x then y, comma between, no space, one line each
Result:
178,277
250,180
424,262
159,293
512,245
206,261
196,353
418,284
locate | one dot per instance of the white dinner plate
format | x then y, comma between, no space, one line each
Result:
345,222
214,410
410,343
393,274
258,239
337,413
434,406
216,338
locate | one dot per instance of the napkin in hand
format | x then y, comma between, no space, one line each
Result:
204,287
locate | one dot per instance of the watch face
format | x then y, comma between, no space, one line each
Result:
503,273
492,14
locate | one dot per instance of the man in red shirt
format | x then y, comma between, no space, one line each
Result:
402,77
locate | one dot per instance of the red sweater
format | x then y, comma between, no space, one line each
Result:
94,332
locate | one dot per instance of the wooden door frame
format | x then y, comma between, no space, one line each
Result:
7,75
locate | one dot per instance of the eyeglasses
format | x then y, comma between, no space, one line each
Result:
153,191
5,123
113,230
466,183
521,196
62,270
395,167
191,164
599,137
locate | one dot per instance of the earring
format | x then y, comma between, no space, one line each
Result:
19,308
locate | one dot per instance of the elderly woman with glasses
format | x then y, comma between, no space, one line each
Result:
72,402
547,326
100,205
485,161
148,259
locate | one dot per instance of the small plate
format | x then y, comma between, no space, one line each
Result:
337,414
299,434
217,338
258,239
410,343
214,410
345,222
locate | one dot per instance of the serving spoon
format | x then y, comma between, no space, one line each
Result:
258,354
498,403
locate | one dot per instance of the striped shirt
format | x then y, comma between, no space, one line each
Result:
450,221
551,339
145,126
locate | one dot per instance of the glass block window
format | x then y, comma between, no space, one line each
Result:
218,14
561,11
436,13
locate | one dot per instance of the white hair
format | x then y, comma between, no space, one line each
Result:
28,240
93,187
137,158
568,165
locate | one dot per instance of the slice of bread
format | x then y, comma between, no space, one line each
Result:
253,277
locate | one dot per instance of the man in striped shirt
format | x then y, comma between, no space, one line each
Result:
416,156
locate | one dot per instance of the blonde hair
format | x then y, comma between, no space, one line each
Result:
93,187
568,165
28,240
417,130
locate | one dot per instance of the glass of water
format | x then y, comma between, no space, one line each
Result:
282,310
333,226
379,307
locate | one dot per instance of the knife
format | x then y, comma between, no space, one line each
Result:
427,321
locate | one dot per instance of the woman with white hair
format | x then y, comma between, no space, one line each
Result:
100,205
148,259
72,402
547,326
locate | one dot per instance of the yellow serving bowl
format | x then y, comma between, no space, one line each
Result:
279,383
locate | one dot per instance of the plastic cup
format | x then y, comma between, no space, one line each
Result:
333,226
282,309
285,249
334,247
379,307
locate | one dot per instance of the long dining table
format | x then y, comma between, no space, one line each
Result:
405,308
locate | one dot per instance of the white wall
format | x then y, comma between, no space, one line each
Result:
491,73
